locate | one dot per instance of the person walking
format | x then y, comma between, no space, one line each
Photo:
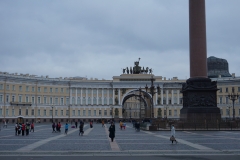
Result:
59,126
32,127
121,125
81,128
76,124
172,138
5,124
103,123
124,125
19,129
23,128
91,124
53,127
16,129
66,128
27,128
112,131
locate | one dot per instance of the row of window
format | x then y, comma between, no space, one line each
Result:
51,100
227,100
226,89
74,112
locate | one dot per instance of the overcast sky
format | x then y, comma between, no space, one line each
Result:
97,38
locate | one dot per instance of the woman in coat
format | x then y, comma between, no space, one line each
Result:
112,131
172,138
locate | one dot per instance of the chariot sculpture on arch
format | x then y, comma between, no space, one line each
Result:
137,69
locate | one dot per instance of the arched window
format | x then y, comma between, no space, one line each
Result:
73,100
78,100
105,101
110,100
99,101
94,100
89,101
84,101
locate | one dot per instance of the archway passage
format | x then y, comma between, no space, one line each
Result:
136,105
20,119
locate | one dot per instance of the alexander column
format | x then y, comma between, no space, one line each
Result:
199,92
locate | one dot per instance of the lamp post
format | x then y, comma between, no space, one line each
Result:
152,88
52,113
233,97
130,112
229,111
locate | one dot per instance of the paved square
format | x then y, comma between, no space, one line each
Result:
95,141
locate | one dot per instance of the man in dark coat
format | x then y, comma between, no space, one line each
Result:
112,131
81,128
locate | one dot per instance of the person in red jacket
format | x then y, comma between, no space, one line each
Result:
32,127
23,128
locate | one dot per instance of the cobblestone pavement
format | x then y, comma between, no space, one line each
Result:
95,141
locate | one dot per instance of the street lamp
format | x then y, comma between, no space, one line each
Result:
229,110
52,113
233,97
152,88
130,112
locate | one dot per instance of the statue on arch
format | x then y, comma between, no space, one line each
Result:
127,70
131,71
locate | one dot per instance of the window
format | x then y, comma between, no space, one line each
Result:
94,101
56,112
84,113
233,89
61,90
165,112
26,112
44,112
84,100
1,98
100,112
39,113
1,86
226,89
227,112
73,100
56,90
45,89
89,101
33,89
7,87
13,98
89,112
221,111
95,113
61,112
20,112
7,112
105,101
78,100
67,90
13,87
84,91
56,100
7,98
45,100
220,100
33,100
175,112
39,100
238,89
105,112
78,112
19,98
50,112
20,88
99,100
105,91
226,100
32,112
110,100
51,90
51,101
220,90
39,89
73,112
61,101
67,112
67,101
27,88
0,111
170,112
13,113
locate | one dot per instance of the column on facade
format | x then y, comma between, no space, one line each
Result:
172,97
156,97
166,96
86,96
177,96
92,97
119,96
102,96
162,95
97,96
76,97
107,96
81,95
70,96
113,96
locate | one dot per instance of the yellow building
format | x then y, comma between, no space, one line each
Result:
73,98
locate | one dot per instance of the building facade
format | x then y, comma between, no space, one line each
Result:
43,99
